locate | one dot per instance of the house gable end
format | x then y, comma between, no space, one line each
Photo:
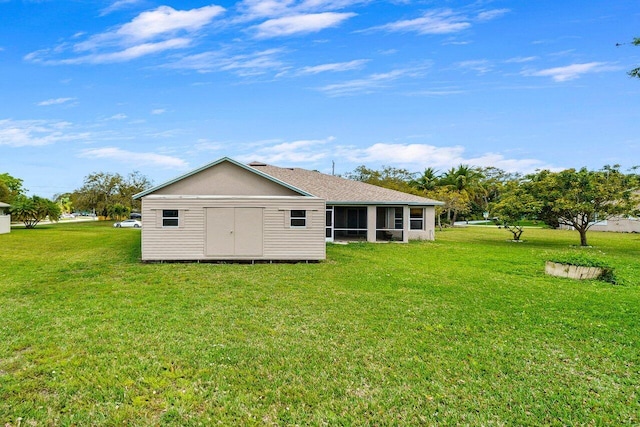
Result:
224,177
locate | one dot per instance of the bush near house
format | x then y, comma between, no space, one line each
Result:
464,330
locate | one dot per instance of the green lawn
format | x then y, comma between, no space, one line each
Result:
465,330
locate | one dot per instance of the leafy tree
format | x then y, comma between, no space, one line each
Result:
427,181
102,190
493,182
133,184
455,203
32,210
466,181
11,185
388,177
64,201
515,205
5,193
579,198
118,211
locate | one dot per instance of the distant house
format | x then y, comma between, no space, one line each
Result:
227,210
5,218
618,224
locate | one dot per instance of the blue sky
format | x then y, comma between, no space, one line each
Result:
165,87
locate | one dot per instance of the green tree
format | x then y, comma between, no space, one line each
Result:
32,210
579,198
493,182
102,190
427,181
12,185
389,177
466,181
455,202
5,193
64,201
133,184
515,205
118,211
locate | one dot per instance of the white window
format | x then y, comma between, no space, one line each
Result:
298,218
416,218
170,218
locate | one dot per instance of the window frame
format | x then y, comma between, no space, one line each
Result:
300,219
169,219
419,219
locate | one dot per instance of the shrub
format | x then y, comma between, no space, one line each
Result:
586,260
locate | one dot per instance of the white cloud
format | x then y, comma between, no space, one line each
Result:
509,165
251,64
438,92
257,9
124,156
150,32
137,51
369,83
488,15
119,116
125,55
22,133
410,156
406,154
573,71
424,155
55,101
521,59
158,111
334,67
480,66
253,9
294,152
435,22
300,24
118,5
165,19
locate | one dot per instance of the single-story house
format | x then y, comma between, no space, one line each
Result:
227,210
619,224
5,218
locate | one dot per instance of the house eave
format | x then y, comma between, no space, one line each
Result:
378,203
226,197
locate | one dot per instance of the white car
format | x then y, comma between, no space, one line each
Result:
128,223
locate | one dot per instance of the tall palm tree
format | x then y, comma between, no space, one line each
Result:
426,182
465,180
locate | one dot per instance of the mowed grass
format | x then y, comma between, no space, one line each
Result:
466,330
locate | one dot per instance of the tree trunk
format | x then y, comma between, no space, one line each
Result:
583,237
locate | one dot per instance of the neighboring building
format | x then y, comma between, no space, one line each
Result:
230,211
5,218
618,224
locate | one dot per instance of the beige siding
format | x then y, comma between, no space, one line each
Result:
225,179
5,224
620,225
188,242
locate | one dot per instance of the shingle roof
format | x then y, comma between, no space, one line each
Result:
336,190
